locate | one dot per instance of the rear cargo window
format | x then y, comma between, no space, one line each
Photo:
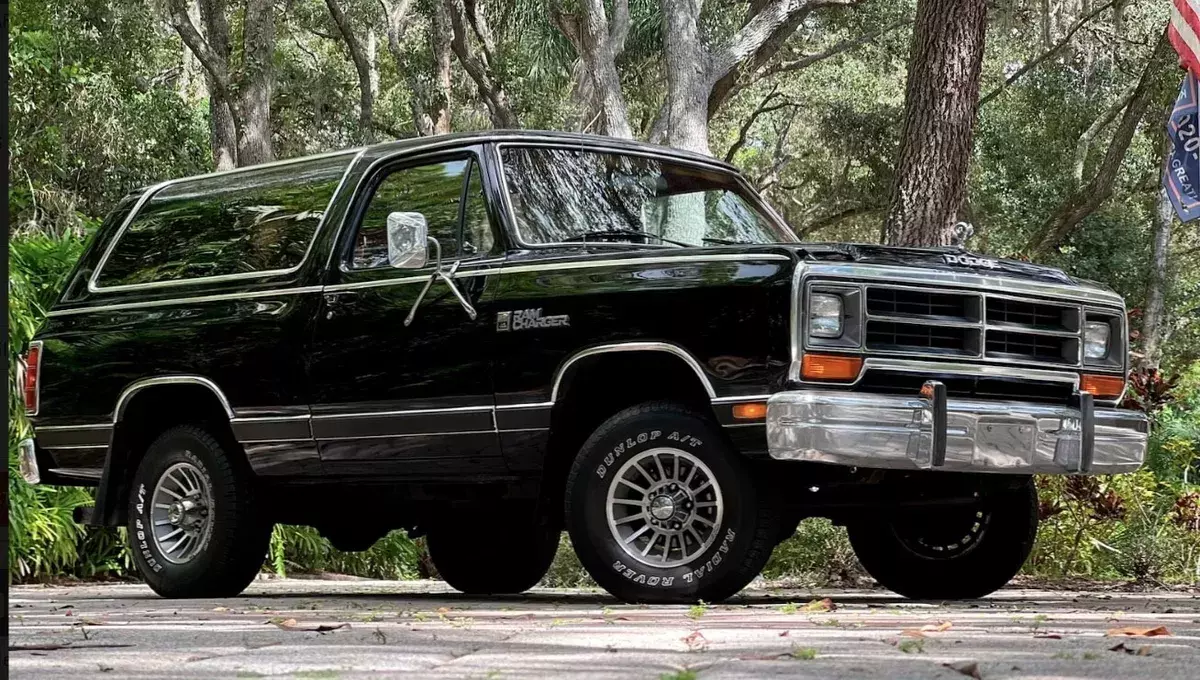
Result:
244,223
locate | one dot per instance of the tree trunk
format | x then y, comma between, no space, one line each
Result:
223,133
940,102
1158,283
222,126
439,102
597,83
362,66
688,84
257,84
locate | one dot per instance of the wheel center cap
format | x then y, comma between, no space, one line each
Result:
174,513
662,507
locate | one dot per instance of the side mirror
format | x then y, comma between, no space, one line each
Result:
407,236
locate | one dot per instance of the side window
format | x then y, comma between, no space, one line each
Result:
247,222
433,190
478,238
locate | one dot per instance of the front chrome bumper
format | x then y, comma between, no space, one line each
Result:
898,432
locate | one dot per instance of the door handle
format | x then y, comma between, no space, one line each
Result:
331,302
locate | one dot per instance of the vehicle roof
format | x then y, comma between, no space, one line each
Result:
459,139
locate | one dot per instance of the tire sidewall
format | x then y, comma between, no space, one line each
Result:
1001,551
599,461
169,449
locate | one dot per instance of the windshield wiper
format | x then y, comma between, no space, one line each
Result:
602,233
725,242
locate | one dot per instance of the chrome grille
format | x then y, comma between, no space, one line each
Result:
912,321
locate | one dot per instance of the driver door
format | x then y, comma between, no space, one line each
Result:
409,400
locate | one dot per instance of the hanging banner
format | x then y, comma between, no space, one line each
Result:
1181,174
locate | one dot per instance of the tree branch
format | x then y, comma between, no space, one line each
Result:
1085,140
210,60
1082,203
1062,42
764,107
618,32
757,31
361,66
832,51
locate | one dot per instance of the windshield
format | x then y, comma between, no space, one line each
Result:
569,195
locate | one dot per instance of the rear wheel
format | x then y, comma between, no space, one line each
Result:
660,508
193,524
493,554
949,554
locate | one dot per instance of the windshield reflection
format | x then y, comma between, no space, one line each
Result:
571,195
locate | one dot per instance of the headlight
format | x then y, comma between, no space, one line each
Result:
1095,340
825,315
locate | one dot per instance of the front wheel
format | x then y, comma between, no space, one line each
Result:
193,525
960,553
660,508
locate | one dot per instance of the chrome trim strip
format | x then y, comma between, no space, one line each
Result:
269,419
119,411
974,280
178,301
634,261
85,473
94,287
379,283
736,400
94,426
797,346
926,367
402,436
633,347
524,429
402,413
75,446
513,407
274,441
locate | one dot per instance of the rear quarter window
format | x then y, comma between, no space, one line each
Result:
242,223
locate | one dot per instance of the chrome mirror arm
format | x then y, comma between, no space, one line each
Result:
444,275
437,269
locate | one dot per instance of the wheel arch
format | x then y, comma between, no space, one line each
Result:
145,408
593,384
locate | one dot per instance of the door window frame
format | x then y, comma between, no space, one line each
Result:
377,173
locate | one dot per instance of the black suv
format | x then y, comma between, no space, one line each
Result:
486,339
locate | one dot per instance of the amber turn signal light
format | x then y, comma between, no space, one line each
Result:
1102,386
753,411
830,367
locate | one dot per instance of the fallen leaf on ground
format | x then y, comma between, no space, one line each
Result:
939,628
911,632
783,634
1132,631
968,668
825,605
1048,636
1141,650
220,609
290,624
696,641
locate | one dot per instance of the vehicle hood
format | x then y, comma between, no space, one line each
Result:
946,259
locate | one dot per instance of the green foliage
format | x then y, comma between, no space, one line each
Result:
817,554
301,549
